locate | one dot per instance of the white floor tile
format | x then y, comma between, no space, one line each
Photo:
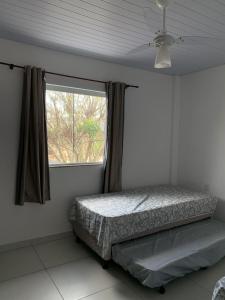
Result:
118,292
61,251
81,278
19,262
37,286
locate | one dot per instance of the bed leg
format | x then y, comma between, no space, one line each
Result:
77,239
105,264
162,290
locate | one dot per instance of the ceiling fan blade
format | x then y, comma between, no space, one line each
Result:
199,40
141,48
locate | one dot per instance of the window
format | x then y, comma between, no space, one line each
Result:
76,124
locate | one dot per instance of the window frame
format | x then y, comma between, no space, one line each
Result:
82,91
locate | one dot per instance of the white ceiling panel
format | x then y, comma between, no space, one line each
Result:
109,29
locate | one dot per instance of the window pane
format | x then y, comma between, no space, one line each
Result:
76,127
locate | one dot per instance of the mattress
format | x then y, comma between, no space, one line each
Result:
115,217
160,258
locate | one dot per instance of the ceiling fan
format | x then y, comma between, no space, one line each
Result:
163,41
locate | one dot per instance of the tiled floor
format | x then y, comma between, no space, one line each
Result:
62,269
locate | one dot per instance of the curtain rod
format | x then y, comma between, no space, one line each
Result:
12,66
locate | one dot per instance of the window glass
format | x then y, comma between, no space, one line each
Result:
76,124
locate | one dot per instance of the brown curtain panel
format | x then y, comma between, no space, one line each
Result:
33,167
115,129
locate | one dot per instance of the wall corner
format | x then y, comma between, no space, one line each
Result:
175,128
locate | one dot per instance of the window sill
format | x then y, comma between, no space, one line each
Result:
75,165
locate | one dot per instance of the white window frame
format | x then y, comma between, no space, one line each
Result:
69,89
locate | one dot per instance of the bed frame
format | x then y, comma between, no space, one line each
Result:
83,235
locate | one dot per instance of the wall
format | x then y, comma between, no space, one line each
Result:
202,132
147,144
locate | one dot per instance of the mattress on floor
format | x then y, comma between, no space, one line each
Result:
116,217
157,259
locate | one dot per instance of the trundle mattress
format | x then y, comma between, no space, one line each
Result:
157,259
116,217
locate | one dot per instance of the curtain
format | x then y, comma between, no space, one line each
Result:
115,128
33,167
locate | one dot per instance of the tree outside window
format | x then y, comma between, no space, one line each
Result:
76,125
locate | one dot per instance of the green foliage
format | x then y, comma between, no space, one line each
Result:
90,127
76,127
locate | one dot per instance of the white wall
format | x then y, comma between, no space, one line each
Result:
202,132
147,144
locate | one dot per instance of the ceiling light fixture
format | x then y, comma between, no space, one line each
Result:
163,59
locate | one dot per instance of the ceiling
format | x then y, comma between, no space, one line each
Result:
109,29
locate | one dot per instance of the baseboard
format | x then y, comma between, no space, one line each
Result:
36,241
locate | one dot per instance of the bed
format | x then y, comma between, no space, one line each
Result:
107,219
157,259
